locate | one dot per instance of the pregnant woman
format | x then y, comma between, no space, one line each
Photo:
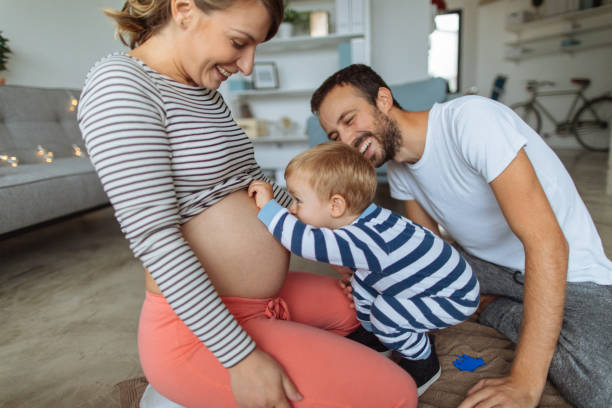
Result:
223,323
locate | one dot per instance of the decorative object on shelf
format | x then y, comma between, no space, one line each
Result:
9,160
293,22
519,17
285,127
568,32
44,154
285,30
319,23
350,16
77,151
265,75
253,128
4,52
239,82
244,109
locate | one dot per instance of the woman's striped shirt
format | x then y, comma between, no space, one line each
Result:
164,152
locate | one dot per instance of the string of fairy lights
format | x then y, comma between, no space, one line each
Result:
45,155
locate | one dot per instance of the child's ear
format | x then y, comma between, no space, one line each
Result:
338,206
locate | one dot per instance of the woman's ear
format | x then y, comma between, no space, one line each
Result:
338,206
384,99
181,11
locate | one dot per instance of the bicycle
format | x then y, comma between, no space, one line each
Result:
589,122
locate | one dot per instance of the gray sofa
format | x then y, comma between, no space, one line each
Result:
36,191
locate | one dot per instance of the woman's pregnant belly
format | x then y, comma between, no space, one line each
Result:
238,253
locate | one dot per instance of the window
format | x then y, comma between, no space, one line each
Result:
445,48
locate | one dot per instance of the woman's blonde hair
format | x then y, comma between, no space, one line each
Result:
335,168
138,20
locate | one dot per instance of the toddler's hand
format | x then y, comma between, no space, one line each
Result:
261,191
347,289
345,281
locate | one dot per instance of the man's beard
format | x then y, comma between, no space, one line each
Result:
388,135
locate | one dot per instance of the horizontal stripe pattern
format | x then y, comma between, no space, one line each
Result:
165,152
407,280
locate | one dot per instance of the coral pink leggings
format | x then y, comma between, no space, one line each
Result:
302,329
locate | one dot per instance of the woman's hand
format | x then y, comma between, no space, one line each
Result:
259,381
261,191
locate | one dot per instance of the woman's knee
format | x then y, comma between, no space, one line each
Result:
318,301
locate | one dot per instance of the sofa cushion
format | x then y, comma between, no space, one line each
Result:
31,194
420,95
30,117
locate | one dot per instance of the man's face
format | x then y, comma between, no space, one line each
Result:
347,116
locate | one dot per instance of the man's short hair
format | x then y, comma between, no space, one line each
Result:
362,77
335,168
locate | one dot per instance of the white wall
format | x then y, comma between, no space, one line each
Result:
488,60
400,39
55,42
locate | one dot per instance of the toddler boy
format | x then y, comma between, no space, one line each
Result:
407,281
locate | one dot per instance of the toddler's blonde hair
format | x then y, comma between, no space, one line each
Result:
336,168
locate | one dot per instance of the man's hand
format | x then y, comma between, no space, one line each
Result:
261,191
259,381
345,281
546,255
501,392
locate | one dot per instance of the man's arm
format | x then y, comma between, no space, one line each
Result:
529,215
416,213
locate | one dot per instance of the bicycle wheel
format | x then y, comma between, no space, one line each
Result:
591,124
529,115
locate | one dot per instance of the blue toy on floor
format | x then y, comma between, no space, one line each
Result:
467,363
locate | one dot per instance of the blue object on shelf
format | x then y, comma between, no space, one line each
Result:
239,84
467,363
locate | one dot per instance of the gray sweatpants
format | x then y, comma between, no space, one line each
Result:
581,367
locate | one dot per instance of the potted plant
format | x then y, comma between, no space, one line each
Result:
292,20
4,52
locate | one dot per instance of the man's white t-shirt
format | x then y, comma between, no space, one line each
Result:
470,141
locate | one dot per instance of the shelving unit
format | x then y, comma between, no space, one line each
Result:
567,29
274,92
304,43
279,139
571,16
302,63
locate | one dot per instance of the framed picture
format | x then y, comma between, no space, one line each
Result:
265,75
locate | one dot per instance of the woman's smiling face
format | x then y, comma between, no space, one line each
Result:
216,45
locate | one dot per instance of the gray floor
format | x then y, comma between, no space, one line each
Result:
70,295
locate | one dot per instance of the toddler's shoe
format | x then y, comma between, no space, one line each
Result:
424,372
370,340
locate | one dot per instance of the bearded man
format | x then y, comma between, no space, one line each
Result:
472,166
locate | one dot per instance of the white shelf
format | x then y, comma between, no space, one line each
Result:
541,45
563,34
279,139
274,92
569,16
560,50
302,43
